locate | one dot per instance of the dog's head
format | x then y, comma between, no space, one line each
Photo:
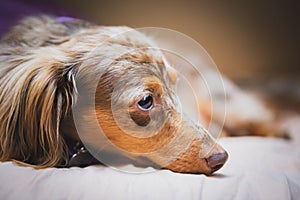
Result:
108,86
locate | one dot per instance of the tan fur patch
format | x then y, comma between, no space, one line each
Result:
130,143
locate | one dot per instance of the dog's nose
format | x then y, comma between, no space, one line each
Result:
216,160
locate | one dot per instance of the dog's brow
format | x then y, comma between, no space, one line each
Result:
153,84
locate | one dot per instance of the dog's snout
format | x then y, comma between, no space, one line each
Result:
216,160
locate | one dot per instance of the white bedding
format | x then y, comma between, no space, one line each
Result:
258,168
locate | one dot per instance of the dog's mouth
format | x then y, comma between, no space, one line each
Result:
191,162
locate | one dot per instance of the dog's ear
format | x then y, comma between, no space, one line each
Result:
36,91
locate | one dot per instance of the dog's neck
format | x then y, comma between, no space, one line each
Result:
78,155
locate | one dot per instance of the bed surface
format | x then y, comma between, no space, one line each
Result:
258,168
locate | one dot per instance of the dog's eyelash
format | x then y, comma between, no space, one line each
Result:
150,90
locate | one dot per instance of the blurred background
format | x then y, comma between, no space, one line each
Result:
255,43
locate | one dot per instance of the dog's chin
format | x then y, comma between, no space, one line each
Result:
205,166
198,167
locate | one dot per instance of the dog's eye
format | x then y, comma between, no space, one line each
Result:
146,103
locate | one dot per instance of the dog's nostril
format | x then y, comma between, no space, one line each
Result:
216,160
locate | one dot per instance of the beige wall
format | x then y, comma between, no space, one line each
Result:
246,40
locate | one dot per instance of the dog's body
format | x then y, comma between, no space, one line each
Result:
59,77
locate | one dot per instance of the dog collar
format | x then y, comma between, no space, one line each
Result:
79,156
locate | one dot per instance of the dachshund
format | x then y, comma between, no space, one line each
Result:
70,87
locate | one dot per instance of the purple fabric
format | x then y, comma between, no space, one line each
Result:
65,19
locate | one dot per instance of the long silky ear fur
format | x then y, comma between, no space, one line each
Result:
37,90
